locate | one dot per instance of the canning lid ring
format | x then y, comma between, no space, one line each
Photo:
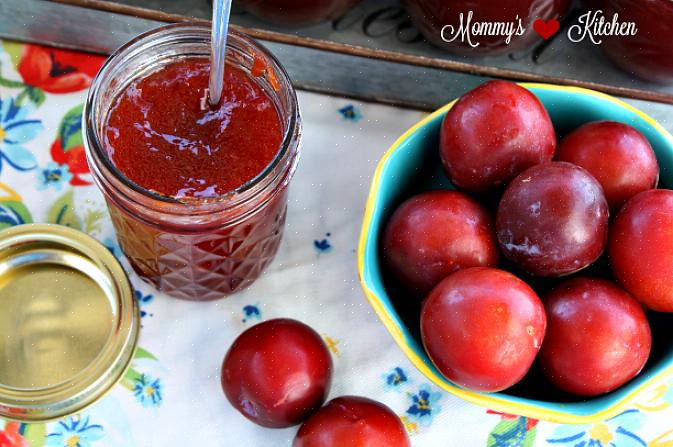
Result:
69,322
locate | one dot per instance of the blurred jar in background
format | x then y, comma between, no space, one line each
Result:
591,4
430,16
648,54
296,12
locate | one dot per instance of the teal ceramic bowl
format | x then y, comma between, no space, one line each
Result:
412,165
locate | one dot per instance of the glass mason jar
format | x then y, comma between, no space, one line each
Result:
194,248
294,13
430,16
649,54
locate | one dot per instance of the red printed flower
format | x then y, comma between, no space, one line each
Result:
68,148
57,71
10,436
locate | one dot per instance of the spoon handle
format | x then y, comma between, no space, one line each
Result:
218,48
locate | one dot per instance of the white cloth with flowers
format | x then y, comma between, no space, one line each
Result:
172,395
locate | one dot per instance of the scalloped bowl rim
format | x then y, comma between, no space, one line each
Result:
549,411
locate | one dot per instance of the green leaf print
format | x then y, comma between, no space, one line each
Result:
92,221
11,84
512,433
35,95
35,434
144,354
12,213
14,51
132,375
130,378
62,212
70,130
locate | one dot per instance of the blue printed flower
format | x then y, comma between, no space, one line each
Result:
616,432
351,113
112,245
323,245
143,300
251,311
15,130
75,432
395,379
424,405
53,175
148,391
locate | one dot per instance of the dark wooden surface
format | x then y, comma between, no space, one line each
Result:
317,58
383,26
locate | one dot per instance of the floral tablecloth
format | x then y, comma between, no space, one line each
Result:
172,396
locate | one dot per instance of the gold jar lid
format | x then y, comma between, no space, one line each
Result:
69,322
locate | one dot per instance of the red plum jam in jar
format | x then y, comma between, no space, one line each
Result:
197,193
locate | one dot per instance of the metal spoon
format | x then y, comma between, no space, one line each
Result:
218,48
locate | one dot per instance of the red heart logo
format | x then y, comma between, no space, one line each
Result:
546,29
